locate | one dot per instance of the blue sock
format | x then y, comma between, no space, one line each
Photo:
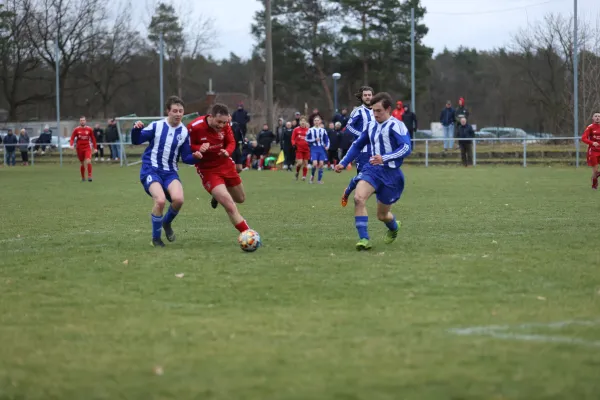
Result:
156,226
312,171
170,216
320,173
351,186
362,226
392,225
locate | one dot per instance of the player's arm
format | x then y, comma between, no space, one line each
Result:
186,153
326,140
310,136
294,136
356,125
400,132
585,138
228,142
143,134
355,149
73,135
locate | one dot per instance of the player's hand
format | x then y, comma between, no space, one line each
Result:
138,125
339,168
95,151
376,160
204,147
224,153
595,144
198,155
72,147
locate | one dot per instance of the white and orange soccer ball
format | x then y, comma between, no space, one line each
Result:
249,240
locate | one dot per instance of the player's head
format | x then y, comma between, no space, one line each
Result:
596,117
174,107
219,115
82,120
265,127
317,121
381,104
364,94
303,122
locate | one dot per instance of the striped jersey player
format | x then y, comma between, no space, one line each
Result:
168,141
318,141
389,144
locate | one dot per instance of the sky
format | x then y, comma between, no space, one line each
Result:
480,24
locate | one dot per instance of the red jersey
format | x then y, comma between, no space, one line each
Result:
85,138
397,113
591,135
299,139
200,133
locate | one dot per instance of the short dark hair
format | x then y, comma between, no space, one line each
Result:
362,89
219,109
173,100
83,116
384,98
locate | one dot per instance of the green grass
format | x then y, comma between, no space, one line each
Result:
306,316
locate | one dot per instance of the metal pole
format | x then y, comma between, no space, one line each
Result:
412,60
57,59
575,86
269,66
525,153
474,152
162,94
335,104
427,152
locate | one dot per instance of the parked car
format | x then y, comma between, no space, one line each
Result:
507,132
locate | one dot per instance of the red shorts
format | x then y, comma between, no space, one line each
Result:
302,155
593,158
226,175
84,154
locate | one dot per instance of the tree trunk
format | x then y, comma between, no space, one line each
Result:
365,60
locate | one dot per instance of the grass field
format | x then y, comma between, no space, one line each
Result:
89,310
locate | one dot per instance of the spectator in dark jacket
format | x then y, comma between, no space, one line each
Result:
447,121
24,146
334,145
460,112
10,142
242,118
346,140
410,120
112,137
43,140
265,139
100,138
311,118
342,118
465,131
286,146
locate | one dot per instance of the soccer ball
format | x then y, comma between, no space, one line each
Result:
249,240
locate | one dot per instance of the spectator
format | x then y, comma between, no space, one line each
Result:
100,139
286,146
346,140
10,140
24,146
242,118
461,112
465,131
312,117
410,120
294,123
43,140
296,119
265,139
342,118
398,111
112,137
279,130
334,145
447,121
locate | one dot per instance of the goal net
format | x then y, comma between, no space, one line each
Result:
130,154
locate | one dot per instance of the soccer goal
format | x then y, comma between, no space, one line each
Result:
130,154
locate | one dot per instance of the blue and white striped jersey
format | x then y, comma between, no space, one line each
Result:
317,137
389,139
359,120
166,145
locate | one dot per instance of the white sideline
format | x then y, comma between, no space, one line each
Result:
503,332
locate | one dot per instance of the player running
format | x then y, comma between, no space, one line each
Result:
216,169
591,137
357,124
318,141
389,144
85,141
168,140
301,145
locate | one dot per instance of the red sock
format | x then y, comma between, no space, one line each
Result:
304,172
261,162
249,161
82,170
328,164
89,170
334,163
242,226
298,169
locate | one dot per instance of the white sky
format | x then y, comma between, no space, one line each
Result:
482,24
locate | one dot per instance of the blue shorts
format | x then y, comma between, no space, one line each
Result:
362,160
388,182
318,153
149,175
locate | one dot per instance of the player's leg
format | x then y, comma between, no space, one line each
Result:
595,176
88,163
223,196
175,190
81,157
314,167
364,190
384,214
593,161
155,189
321,164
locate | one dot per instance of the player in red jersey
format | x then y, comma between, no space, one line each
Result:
86,145
216,169
591,137
301,145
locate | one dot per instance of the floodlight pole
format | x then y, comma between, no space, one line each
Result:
575,85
